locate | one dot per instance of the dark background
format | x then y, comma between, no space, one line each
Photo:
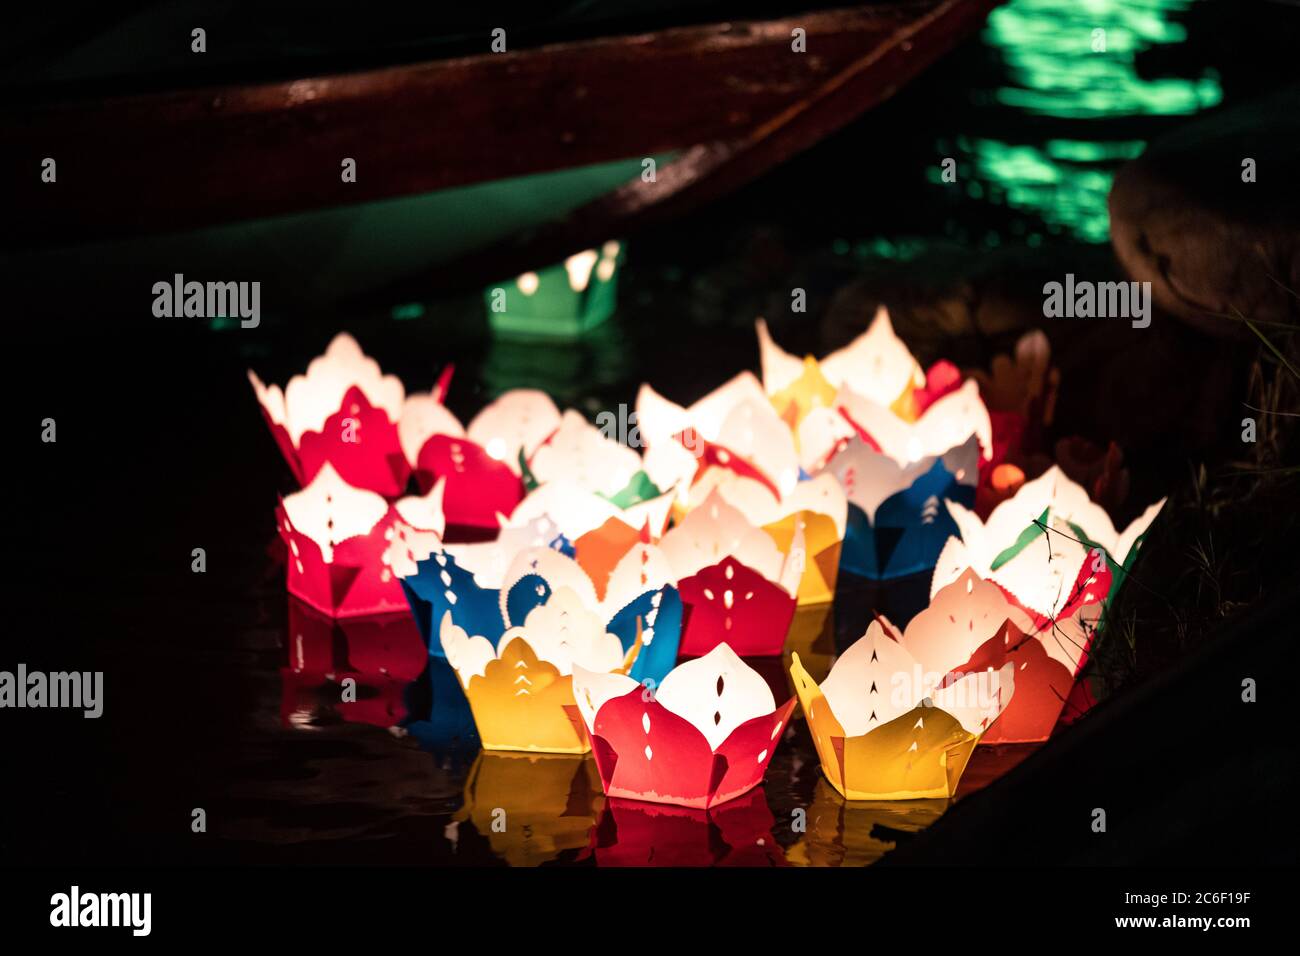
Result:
161,449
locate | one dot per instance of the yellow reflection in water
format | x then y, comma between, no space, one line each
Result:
856,833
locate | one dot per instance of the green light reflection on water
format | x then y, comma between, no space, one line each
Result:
1059,67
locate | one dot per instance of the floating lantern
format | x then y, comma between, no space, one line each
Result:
1040,543
579,453
520,690
344,411
898,473
482,463
944,424
338,537
562,301
1019,391
490,587
877,365
704,736
896,522
900,442
971,626
892,725
736,584
878,369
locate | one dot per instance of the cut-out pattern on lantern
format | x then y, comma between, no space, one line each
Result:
338,538
704,736
521,689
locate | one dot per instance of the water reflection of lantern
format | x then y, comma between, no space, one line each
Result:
859,832
380,654
735,833
532,807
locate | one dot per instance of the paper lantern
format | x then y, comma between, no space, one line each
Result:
945,424
338,537
705,735
1038,544
876,365
891,725
531,808
489,587
736,584
877,368
579,453
1019,391
735,833
562,301
520,690
897,524
343,412
480,464
972,626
